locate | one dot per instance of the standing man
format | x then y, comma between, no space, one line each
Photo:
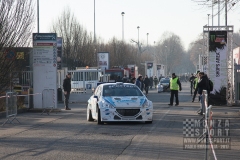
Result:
203,84
67,89
146,84
151,82
191,80
174,85
155,80
125,79
139,82
195,85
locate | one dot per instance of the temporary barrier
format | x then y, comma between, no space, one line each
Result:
11,107
48,100
207,117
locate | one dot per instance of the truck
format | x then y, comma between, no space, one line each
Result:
130,71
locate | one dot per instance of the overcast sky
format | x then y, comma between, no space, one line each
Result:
184,18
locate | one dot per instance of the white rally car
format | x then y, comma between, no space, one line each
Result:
119,101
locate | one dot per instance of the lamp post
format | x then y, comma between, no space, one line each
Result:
208,20
166,62
199,62
138,38
147,40
122,26
94,25
38,16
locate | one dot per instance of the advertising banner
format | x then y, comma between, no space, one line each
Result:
159,67
218,59
149,69
236,55
59,52
45,70
103,60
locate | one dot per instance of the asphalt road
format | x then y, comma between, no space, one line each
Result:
68,135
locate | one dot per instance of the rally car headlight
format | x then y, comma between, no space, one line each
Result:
145,104
107,105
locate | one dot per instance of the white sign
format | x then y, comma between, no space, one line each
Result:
45,70
218,59
103,60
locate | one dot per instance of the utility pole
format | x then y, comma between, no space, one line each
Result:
94,25
226,13
38,15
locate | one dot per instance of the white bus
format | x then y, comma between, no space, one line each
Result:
86,79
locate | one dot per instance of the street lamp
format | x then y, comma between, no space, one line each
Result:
94,25
122,26
138,37
166,62
208,20
138,34
147,40
38,16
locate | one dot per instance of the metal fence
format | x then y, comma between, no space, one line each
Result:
11,107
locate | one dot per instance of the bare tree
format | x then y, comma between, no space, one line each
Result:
78,45
16,25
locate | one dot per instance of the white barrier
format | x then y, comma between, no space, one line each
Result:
207,117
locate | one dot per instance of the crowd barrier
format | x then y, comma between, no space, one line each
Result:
11,107
206,120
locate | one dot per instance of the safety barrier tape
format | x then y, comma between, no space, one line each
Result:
211,144
21,95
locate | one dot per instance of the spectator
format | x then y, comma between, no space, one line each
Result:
151,82
67,90
155,80
195,85
203,84
125,79
118,79
133,80
139,82
191,80
146,84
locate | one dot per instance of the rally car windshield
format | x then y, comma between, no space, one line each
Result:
121,90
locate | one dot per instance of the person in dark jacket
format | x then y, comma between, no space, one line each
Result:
133,80
125,79
67,90
203,84
174,85
191,80
151,82
146,82
142,84
139,82
118,79
155,80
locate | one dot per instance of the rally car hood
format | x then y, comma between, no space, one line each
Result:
134,101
